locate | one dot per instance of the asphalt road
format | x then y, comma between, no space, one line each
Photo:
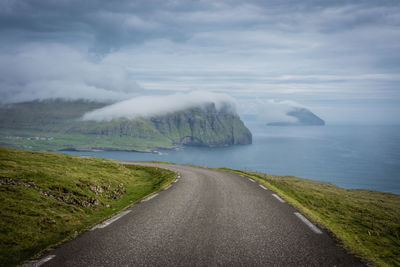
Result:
206,218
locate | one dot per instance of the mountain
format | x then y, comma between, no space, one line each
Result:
304,117
57,125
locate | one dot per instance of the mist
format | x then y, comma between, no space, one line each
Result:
147,106
47,71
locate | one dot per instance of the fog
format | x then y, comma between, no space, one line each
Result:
147,106
276,111
43,71
269,110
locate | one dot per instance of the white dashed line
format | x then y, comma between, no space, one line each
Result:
150,197
263,187
111,220
308,223
39,262
278,198
251,180
241,175
176,180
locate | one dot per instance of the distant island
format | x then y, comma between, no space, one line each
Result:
58,125
303,116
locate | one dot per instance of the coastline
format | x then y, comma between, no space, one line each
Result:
105,149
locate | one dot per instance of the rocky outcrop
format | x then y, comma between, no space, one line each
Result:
203,127
303,116
198,126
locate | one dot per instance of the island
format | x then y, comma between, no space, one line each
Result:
303,116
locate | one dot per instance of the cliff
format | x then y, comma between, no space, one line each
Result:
56,124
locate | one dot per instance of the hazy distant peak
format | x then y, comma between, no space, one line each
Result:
303,116
147,106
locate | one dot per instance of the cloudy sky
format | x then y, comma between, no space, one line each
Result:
339,58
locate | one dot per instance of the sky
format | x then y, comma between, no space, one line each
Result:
341,59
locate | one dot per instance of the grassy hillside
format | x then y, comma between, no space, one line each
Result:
46,198
367,222
57,125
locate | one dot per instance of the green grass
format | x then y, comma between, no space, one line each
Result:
366,222
47,198
59,141
159,162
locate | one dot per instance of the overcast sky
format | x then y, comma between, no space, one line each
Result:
339,58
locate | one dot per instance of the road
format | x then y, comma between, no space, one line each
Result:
206,218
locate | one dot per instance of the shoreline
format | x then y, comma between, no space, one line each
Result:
105,149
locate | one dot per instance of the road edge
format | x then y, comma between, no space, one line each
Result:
305,212
35,259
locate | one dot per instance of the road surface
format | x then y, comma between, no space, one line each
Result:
206,218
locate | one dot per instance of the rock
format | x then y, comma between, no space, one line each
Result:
96,189
303,116
204,127
93,201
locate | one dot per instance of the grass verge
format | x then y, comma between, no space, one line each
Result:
47,198
366,222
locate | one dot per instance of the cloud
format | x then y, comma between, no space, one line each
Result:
271,110
147,106
223,13
261,49
37,71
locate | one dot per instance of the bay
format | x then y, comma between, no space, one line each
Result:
357,157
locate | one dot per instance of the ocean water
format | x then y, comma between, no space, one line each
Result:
362,157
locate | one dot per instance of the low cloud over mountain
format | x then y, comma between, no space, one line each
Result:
147,106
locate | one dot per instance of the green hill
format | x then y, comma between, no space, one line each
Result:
57,125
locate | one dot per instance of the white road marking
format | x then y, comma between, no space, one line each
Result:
241,175
176,180
251,180
111,220
278,198
308,223
168,187
39,262
263,187
150,197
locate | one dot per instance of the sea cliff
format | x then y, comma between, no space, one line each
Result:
57,125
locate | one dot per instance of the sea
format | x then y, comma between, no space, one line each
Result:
350,156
